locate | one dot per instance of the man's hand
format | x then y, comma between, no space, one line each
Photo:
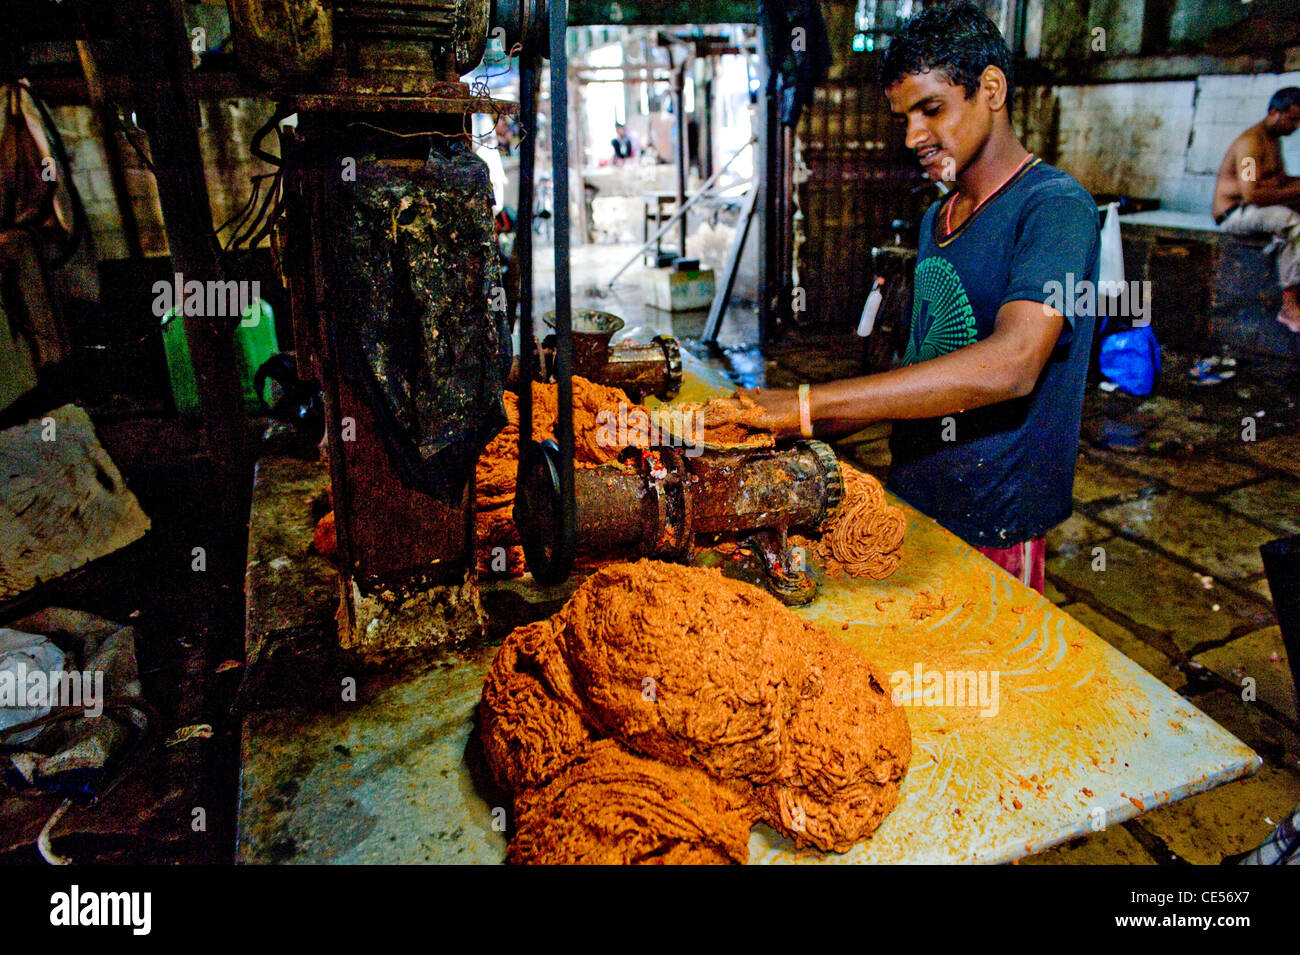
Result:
1002,367
780,410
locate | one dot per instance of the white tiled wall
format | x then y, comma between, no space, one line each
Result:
82,139
224,137
1166,139
1128,138
1225,105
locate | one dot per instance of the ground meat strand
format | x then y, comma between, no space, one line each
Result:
529,732
866,538
611,806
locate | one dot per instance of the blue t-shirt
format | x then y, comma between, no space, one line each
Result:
1002,474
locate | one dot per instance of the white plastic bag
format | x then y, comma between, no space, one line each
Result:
22,654
1111,267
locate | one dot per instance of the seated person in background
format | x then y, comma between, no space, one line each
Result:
1254,194
507,132
624,149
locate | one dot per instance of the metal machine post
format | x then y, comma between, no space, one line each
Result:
388,242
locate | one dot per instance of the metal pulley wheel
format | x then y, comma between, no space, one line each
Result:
539,513
524,22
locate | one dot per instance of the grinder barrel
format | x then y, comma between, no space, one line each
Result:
748,490
659,499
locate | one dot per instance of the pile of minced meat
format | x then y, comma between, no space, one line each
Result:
666,709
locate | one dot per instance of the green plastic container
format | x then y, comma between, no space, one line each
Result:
255,342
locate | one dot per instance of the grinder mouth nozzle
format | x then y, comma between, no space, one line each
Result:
589,321
833,476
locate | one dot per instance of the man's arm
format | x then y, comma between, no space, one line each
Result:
1276,190
1004,366
1262,178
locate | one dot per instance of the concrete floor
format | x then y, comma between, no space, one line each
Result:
1178,499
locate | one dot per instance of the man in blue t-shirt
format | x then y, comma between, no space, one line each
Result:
987,405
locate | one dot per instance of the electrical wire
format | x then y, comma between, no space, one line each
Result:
47,831
480,101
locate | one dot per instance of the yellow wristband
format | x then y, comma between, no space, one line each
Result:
805,411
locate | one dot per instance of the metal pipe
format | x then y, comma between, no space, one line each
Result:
679,101
718,308
611,509
742,491
785,215
568,529
705,125
768,140
680,212
524,243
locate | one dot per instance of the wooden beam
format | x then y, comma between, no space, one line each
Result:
112,150
170,114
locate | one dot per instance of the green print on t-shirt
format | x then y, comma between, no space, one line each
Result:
942,317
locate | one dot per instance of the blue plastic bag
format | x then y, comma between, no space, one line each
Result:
1131,359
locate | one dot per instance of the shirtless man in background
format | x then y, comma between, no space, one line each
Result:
1254,194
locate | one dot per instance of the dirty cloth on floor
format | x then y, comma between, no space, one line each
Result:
21,655
99,713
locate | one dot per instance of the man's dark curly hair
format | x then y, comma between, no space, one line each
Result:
1284,99
955,39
